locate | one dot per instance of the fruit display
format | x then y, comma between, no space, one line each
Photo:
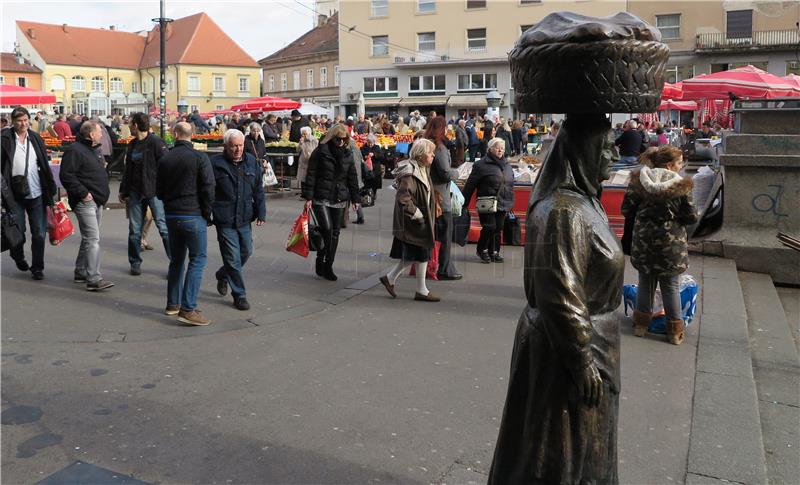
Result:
207,137
282,144
124,141
200,146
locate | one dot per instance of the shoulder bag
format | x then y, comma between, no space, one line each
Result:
19,183
487,204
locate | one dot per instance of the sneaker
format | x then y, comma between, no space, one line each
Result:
99,285
485,258
193,317
222,287
172,310
429,297
497,258
79,279
38,275
22,265
136,269
241,303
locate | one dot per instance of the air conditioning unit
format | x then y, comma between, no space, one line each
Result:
445,57
399,60
352,96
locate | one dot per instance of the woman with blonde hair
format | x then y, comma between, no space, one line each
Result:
414,215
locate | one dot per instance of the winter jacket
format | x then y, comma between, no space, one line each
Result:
255,146
472,136
141,166
505,135
294,131
272,132
629,143
413,193
8,146
83,171
239,195
491,176
374,179
442,174
185,182
62,129
330,179
461,136
661,201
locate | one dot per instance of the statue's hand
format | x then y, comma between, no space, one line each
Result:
589,384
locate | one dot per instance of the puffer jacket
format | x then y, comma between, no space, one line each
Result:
661,201
491,176
328,179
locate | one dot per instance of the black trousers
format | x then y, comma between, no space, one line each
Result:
329,220
491,230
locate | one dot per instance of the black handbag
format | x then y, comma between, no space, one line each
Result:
19,183
315,240
512,231
627,235
12,234
367,197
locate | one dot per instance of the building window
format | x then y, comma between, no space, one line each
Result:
244,84
284,82
671,74
116,85
323,77
78,83
295,79
219,107
98,84
426,41
477,82
669,25
194,84
170,83
739,24
219,84
426,6
193,108
380,45
271,83
380,8
22,82
2,79
426,84
134,87
335,75
476,40
309,79
56,82
476,4
380,85
793,67
523,28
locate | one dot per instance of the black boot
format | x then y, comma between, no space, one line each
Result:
484,255
330,256
320,264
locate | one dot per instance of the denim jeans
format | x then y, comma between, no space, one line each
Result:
186,234
670,294
236,246
87,264
626,163
137,208
38,222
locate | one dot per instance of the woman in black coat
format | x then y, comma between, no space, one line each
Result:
374,180
331,182
254,142
492,176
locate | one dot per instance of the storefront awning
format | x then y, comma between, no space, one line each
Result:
467,101
381,101
424,101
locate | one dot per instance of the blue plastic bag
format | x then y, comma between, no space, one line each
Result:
688,290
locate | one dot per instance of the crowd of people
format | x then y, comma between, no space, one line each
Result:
184,191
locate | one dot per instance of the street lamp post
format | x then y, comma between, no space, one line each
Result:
162,64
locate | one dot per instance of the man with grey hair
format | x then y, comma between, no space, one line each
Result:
238,201
83,175
629,144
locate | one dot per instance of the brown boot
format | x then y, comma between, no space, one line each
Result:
641,321
675,331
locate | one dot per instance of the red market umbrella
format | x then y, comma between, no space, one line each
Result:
265,103
156,111
677,105
794,80
743,82
11,95
672,91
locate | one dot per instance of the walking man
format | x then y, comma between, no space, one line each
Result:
138,187
185,184
83,175
238,201
27,171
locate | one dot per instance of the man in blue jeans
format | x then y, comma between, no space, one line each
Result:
185,184
138,187
238,201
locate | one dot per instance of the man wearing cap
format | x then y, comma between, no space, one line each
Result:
27,170
297,122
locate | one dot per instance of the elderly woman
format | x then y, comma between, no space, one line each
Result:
308,143
373,179
254,143
414,215
492,177
331,182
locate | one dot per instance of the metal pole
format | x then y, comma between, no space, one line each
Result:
162,22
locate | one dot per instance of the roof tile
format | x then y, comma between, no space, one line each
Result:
8,63
323,38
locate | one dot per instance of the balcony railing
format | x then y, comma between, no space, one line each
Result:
762,40
451,56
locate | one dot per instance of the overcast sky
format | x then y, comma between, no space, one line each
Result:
260,27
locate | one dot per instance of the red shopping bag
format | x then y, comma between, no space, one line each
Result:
59,227
298,237
432,271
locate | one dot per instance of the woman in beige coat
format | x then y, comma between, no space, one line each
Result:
414,213
307,145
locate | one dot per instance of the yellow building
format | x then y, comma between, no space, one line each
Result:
100,71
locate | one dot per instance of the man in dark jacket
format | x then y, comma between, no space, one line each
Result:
238,200
25,160
474,142
84,177
297,122
185,184
462,142
199,123
138,187
630,146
